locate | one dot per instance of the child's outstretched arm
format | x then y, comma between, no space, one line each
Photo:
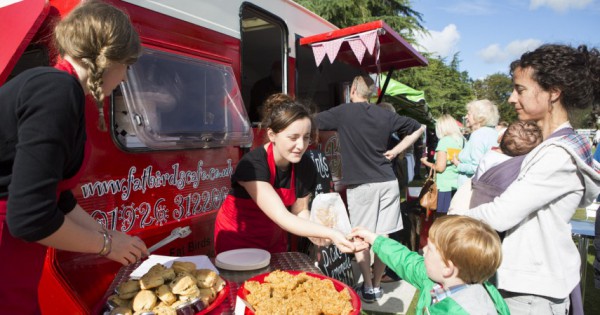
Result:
363,235
407,264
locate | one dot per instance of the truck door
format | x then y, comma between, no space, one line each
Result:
264,62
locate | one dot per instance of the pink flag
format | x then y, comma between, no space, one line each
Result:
358,48
368,38
332,48
319,52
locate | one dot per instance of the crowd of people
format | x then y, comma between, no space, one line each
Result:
525,184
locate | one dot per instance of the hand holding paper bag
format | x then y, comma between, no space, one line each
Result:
329,210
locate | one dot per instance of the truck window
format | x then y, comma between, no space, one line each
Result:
171,101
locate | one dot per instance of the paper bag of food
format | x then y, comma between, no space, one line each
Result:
329,210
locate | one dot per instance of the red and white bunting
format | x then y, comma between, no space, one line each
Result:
319,52
332,48
358,47
367,41
369,38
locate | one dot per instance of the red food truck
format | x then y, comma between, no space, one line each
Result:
180,124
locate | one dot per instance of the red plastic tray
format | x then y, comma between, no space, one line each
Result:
355,300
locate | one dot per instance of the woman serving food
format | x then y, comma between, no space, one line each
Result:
268,180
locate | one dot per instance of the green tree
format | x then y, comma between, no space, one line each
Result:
497,88
343,13
447,90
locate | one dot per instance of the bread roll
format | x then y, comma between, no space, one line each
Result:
182,283
121,310
157,269
164,310
115,301
168,274
205,278
128,289
219,284
165,295
183,266
208,294
151,280
144,300
191,292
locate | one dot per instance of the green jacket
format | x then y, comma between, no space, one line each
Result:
411,267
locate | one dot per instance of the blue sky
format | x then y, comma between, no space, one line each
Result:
489,34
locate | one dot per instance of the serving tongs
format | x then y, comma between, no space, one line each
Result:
178,232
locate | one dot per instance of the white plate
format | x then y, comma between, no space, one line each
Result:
243,259
201,261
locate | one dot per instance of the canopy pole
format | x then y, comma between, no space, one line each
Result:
385,85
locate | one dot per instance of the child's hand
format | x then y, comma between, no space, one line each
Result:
359,244
363,234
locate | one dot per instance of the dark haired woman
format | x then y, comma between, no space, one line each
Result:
269,180
541,264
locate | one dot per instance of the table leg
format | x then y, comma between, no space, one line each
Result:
583,244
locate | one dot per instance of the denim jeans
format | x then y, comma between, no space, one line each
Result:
520,304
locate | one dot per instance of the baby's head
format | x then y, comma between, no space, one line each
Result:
520,138
465,244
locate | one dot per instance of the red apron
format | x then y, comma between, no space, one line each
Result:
21,262
241,223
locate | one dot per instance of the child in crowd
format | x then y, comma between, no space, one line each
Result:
499,167
461,254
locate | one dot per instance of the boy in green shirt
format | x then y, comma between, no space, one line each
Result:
461,254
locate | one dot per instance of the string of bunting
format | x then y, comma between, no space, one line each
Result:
359,43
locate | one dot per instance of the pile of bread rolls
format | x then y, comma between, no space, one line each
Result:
163,290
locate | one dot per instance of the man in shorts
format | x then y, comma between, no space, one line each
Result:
372,192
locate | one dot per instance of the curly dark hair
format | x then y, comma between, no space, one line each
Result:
574,71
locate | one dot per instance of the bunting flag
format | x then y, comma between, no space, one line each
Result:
367,41
369,38
358,47
332,48
319,52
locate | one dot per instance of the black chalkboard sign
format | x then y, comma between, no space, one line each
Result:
330,260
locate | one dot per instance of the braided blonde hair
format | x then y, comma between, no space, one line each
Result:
98,35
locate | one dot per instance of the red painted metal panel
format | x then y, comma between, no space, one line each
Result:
20,21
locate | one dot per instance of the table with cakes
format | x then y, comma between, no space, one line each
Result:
241,281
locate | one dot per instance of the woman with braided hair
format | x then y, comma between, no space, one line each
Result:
43,150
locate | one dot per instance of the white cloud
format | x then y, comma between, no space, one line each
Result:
496,54
559,5
441,43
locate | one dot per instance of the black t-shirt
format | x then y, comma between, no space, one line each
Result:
42,138
364,130
254,167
